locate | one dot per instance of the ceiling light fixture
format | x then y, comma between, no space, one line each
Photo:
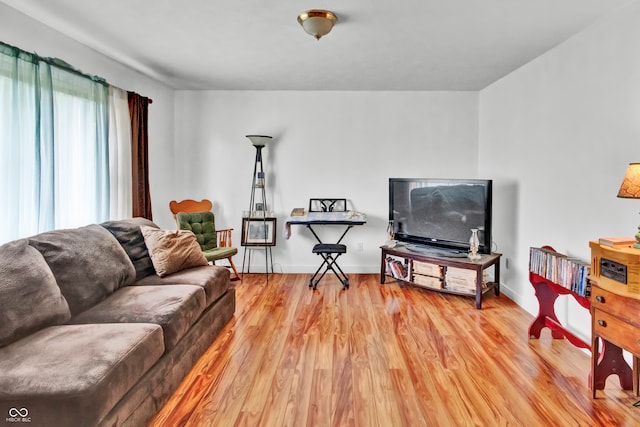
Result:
317,22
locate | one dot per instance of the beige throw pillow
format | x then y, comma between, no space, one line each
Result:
172,250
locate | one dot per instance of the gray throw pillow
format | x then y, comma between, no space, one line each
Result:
30,299
128,233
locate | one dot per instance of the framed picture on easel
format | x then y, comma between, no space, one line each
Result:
258,232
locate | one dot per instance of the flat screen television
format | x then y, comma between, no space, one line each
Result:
441,212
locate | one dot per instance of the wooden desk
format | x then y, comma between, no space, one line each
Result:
615,316
348,219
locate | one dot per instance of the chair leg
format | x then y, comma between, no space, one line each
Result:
311,284
329,262
315,283
342,277
233,267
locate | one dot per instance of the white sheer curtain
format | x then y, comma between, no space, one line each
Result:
54,148
81,152
19,150
120,177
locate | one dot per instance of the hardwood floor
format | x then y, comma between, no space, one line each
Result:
386,355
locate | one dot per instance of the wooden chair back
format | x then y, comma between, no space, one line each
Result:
190,205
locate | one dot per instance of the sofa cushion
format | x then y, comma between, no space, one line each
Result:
175,308
30,299
128,233
72,375
213,279
88,263
172,250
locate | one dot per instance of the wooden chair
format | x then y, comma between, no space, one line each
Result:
189,205
219,248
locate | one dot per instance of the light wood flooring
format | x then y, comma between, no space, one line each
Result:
386,355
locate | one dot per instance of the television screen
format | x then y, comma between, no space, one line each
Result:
441,212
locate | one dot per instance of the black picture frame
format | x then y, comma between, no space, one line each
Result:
258,232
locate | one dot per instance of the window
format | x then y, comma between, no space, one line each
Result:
54,150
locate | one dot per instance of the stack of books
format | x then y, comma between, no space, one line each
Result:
570,273
617,242
396,268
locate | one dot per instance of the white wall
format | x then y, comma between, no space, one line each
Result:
557,136
326,144
30,35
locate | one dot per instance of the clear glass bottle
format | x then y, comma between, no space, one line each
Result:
474,244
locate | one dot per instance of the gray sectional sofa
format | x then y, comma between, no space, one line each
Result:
90,335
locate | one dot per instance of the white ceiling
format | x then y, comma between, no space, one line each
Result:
376,44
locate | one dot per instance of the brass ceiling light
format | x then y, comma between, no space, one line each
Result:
317,22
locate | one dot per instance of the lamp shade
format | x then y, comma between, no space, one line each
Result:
259,140
317,23
630,187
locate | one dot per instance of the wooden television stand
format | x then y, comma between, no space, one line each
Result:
414,259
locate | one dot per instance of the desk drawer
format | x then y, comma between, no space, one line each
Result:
628,309
616,331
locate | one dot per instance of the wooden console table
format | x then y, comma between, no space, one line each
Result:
615,308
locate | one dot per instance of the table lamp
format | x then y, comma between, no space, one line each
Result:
630,189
